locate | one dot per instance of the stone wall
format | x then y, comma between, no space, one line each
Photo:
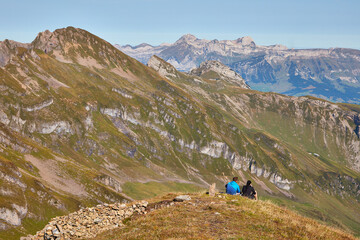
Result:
88,222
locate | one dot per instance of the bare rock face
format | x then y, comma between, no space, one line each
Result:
109,181
10,216
46,41
246,41
4,54
357,123
163,68
218,71
7,49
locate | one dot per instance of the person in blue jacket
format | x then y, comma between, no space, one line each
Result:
232,187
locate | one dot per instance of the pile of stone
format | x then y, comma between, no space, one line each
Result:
88,222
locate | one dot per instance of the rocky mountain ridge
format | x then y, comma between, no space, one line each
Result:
218,71
331,74
76,110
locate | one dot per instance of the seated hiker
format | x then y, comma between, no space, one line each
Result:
232,187
249,191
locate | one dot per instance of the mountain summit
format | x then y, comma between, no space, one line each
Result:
188,38
246,41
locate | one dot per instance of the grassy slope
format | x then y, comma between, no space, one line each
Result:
278,125
231,217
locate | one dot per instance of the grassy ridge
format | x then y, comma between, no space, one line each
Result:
230,217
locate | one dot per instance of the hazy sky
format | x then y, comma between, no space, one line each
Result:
296,24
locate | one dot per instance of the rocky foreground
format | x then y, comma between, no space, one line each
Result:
89,222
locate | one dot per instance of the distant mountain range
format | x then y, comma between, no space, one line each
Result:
332,74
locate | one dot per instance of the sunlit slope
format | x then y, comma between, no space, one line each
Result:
231,217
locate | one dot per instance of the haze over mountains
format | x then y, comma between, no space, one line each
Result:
83,123
332,74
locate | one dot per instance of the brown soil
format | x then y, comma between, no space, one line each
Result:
51,174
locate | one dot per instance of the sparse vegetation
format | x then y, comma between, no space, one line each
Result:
230,217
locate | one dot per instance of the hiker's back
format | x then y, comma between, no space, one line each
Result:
232,188
249,191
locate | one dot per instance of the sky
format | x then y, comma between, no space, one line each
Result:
296,24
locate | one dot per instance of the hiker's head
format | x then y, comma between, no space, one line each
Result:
248,183
235,179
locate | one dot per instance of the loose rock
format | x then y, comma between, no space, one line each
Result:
182,198
88,222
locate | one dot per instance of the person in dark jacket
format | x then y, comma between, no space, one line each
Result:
249,191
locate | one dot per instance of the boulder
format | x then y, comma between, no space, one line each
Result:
182,198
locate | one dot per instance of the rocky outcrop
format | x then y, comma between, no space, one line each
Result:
46,41
219,72
163,68
120,113
357,123
10,216
4,119
109,181
61,127
4,54
8,141
13,180
8,48
122,92
39,106
215,149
